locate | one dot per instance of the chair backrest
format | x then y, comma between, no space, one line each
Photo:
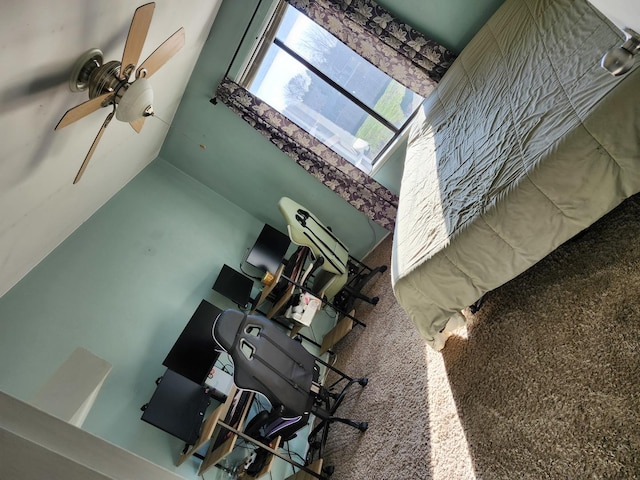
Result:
267,360
305,229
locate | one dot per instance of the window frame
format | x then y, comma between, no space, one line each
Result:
266,37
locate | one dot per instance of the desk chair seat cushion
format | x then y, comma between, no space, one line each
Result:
266,360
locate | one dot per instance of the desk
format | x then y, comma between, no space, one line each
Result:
177,406
195,351
180,401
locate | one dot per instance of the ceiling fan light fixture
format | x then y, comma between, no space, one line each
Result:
108,83
136,101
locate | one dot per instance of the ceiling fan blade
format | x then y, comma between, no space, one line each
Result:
135,39
162,54
137,124
93,148
82,110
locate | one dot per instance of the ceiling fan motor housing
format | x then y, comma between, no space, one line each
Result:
105,79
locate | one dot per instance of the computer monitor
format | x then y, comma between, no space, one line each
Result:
234,285
269,250
195,351
177,406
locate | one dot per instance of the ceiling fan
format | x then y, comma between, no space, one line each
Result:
111,83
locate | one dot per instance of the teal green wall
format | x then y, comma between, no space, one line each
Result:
452,23
123,286
243,166
126,282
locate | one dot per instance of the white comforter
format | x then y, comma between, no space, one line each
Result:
525,142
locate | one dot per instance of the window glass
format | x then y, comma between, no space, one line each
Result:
330,91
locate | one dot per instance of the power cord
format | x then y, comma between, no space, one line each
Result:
291,454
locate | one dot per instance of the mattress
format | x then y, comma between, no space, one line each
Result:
525,142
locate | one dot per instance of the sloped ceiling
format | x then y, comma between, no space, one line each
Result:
39,43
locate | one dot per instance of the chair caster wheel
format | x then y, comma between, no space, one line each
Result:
315,444
329,470
363,381
363,426
375,300
383,268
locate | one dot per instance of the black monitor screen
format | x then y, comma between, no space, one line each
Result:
234,285
269,250
177,406
195,350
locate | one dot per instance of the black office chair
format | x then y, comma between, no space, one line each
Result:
266,360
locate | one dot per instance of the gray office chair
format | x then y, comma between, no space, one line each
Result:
266,360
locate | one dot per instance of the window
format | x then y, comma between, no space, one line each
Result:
326,88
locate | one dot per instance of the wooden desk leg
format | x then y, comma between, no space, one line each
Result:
275,444
214,456
208,427
301,466
336,334
302,475
295,329
267,289
282,301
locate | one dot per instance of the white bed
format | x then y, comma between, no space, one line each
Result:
525,142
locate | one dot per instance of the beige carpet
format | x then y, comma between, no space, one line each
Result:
544,384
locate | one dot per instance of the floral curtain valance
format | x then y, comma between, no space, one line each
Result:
353,185
391,45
